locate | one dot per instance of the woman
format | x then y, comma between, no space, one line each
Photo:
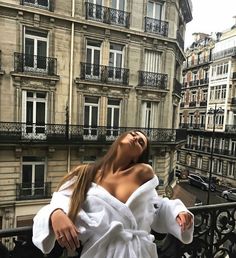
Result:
111,206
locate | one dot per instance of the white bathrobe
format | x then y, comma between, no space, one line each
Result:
112,229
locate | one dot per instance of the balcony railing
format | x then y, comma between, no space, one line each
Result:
32,64
39,190
224,53
157,80
44,4
230,128
107,15
177,87
203,103
214,236
156,26
11,132
192,104
104,74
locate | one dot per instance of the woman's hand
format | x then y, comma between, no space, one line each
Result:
65,231
185,220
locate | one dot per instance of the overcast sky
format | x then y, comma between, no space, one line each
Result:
210,16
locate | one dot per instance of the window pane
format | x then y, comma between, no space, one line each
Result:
116,117
27,175
94,116
40,113
39,175
109,117
43,2
29,112
86,115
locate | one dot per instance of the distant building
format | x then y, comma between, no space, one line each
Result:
209,87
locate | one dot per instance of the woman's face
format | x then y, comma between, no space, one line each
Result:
136,142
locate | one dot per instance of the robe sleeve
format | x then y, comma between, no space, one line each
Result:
43,235
165,219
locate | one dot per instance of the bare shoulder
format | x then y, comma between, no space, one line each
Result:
144,172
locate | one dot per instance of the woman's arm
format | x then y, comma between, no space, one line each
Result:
172,217
51,222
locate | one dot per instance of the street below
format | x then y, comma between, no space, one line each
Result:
201,196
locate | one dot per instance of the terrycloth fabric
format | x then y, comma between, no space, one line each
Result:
112,229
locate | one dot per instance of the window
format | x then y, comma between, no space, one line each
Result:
190,140
200,142
191,119
218,92
148,114
219,167
188,159
90,117
231,169
199,162
202,120
194,96
93,70
33,173
113,117
219,70
117,16
35,50
152,61
154,10
233,148
38,3
95,9
115,62
34,106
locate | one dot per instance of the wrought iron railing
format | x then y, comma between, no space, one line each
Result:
156,26
177,87
214,236
224,53
38,190
107,15
58,133
105,74
157,80
25,63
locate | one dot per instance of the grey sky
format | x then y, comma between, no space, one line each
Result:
210,16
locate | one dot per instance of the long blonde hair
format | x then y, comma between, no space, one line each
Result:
86,174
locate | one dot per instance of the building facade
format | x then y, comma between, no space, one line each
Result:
73,76
208,107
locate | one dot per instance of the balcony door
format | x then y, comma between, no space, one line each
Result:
148,110
35,50
117,12
154,10
34,108
113,118
93,70
115,62
33,170
91,118
95,9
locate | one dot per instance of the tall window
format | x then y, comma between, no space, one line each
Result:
154,10
95,9
233,148
199,162
34,106
219,166
231,171
113,117
33,173
117,14
200,142
35,49
93,59
115,62
90,117
148,114
152,61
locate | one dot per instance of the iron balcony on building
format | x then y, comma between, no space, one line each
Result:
177,87
156,26
34,64
29,191
155,80
180,40
104,74
107,15
225,53
214,236
44,4
17,133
